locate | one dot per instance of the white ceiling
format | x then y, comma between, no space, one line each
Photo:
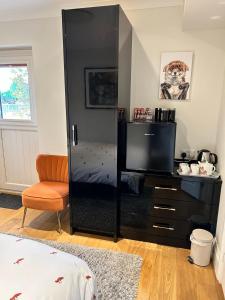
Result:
204,14
28,9
198,14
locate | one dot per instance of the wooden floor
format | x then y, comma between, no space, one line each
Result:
165,272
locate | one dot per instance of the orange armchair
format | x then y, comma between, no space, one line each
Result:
51,193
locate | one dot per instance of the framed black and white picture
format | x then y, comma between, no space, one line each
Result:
175,75
101,87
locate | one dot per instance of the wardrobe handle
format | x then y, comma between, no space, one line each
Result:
74,135
163,227
165,188
164,208
149,134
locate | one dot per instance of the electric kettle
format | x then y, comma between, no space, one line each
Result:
206,155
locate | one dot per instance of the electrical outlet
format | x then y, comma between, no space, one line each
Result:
190,153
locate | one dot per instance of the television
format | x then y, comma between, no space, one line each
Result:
151,146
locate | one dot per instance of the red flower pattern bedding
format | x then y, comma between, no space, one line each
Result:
30,270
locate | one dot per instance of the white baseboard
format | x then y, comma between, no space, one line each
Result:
218,262
11,192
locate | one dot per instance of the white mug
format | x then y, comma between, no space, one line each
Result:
205,168
195,169
184,168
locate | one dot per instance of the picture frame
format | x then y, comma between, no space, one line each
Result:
175,75
101,87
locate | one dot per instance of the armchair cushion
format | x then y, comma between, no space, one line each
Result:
46,195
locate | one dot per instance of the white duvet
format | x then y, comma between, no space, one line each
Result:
30,270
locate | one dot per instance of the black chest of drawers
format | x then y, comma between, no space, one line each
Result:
165,209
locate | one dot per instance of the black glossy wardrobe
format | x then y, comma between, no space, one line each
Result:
97,60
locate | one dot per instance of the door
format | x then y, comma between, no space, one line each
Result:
18,124
91,61
18,152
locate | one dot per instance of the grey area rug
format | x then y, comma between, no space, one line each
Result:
10,201
117,274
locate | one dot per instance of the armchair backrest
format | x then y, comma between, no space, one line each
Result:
52,167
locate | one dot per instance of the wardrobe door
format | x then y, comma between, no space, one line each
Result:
91,77
162,146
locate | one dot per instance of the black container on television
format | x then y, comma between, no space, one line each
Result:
172,115
165,115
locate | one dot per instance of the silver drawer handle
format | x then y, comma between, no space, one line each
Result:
164,208
149,134
163,227
165,188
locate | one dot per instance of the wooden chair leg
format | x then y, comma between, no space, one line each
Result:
59,222
24,216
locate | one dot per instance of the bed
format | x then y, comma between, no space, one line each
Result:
34,271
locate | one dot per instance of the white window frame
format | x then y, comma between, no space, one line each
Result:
21,57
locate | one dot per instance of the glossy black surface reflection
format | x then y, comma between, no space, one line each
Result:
166,208
151,146
94,41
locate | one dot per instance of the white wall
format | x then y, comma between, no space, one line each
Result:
155,30
220,235
45,37
158,30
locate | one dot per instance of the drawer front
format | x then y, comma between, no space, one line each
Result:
175,209
143,235
186,190
164,187
170,228
169,182
152,225
182,188
167,208
166,192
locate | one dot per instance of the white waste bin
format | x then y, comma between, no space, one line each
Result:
201,247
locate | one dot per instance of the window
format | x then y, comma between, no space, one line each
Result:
15,86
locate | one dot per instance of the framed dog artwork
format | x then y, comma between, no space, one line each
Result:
175,75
